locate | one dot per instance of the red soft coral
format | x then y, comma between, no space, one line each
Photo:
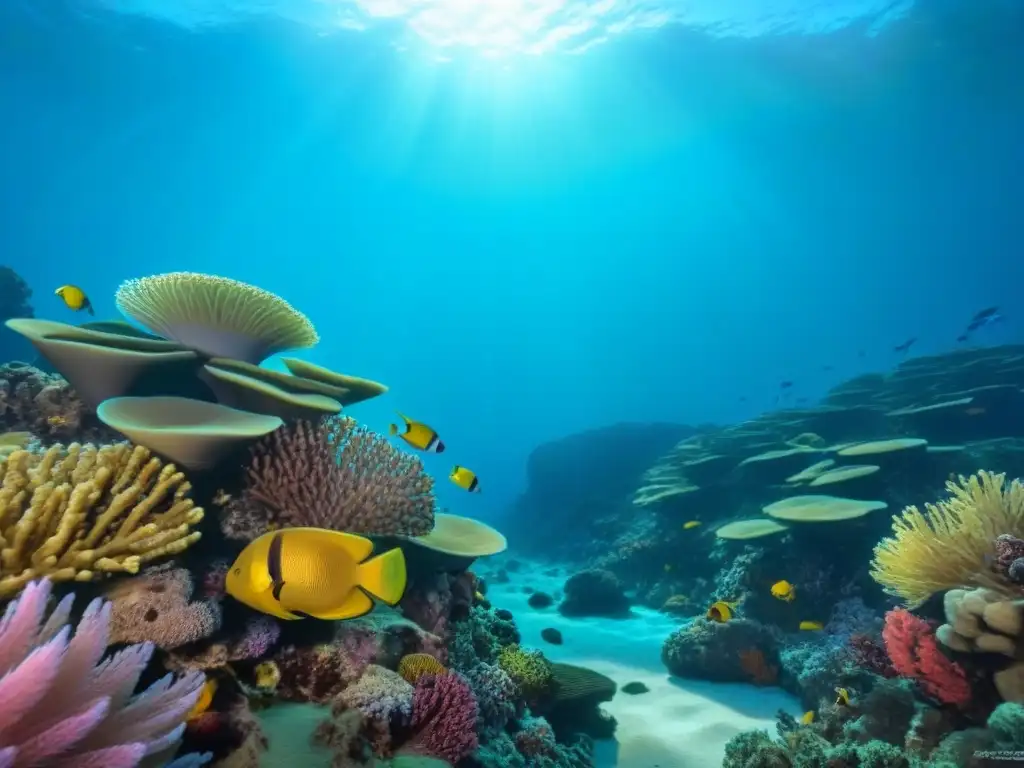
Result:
444,713
914,652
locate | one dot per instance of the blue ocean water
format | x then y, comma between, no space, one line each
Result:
535,216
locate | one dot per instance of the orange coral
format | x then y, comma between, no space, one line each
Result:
754,664
415,665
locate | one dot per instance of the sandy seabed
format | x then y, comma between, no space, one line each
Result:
677,723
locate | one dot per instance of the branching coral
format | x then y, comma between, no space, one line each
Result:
334,475
913,649
79,512
951,543
62,707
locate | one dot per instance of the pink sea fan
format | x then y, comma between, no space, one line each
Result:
335,475
444,718
62,707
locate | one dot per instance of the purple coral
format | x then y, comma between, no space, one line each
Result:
334,475
260,635
444,716
60,706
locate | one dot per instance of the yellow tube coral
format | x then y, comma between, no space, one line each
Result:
952,543
80,512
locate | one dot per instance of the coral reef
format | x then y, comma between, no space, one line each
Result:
81,512
335,475
157,607
45,405
737,651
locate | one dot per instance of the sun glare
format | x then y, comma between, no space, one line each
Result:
527,27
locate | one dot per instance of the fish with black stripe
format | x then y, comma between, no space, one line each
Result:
297,573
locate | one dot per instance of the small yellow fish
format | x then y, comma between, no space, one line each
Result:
808,717
74,298
296,573
205,699
465,479
267,675
842,697
811,626
691,524
720,611
418,435
783,590
57,420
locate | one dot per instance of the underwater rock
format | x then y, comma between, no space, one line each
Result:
46,405
540,600
551,635
635,688
594,593
576,481
736,651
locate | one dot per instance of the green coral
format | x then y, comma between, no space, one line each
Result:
529,670
804,748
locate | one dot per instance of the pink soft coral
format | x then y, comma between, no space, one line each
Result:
61,707
444,714
914,652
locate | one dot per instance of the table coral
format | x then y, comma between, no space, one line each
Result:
81,512
334,475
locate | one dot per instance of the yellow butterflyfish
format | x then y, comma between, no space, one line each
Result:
783,590
808,717
74,298
296,573
811,626
465,479
721,611
418,435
